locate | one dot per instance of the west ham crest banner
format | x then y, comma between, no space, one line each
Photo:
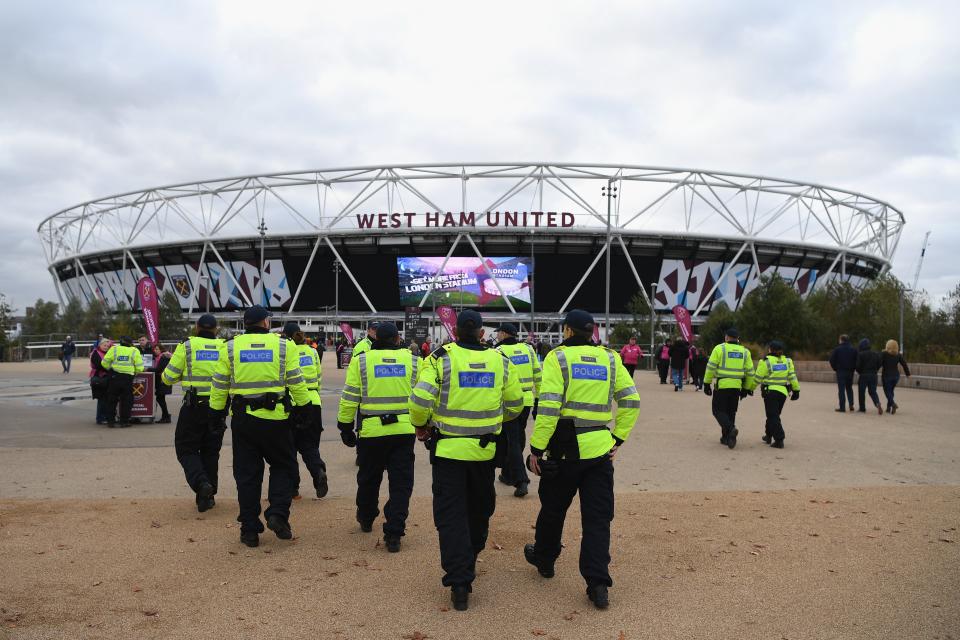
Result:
147,296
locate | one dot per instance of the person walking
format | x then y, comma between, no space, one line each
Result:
261,376
663,361
427,348
572,450
731,366
364,343
124,362
197,440
100,378
306,433
698,367
679,354
525,360
890,361
341,345
161,358
67,349
843,360
630,354
775,374
868,364
377,388
468,391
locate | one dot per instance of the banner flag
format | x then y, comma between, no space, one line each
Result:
347,331
596,333
683,321
449,319
147,295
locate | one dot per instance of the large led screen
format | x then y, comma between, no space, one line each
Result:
465,282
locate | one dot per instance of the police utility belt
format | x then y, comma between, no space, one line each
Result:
193,398
385,419
268,401
563,443
484,440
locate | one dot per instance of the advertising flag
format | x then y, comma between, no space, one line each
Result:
683,321
449,319
596,333
347,331
147,296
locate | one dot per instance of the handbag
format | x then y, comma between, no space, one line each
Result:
98,387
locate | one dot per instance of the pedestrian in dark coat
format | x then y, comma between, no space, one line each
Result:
868,364
890,361
843,360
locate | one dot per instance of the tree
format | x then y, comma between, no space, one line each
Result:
124,323
41,319
96,319
775,311
173,326
638,326
720,319
5,313
71,317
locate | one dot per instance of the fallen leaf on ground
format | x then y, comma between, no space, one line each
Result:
98,583
416,635
538,632
154,524
722,515
151,612
497,546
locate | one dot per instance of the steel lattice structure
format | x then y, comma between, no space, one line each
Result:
678,214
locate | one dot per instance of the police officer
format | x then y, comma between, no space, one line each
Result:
732,367
197,441
572,449
306,433
775,373
262,376
124,362
379,383
365,343
468,390
528,368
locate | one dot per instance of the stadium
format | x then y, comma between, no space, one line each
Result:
534,239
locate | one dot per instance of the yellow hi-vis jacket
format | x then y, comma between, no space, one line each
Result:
193,363
121,359
525,359
732,367
777,373
258,364
310,368
379,383
580,383
469,393
362,346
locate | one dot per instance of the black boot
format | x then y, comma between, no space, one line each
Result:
280,527
205,497
732,438
392,543
460,596
250,538
598,596
320,484
777,444
521,490
766,439
545,569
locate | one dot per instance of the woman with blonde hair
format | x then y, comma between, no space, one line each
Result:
890,361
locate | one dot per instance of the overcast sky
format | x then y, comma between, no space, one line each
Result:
99,98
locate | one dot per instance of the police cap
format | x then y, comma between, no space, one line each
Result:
732,332
776,346
207,321
469,319
579,320
290,328
386,331
508,328
256,313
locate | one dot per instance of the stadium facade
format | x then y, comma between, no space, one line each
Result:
527,238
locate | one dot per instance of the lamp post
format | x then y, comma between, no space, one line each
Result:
653,302
263,233
903,293
609,192
336,296
530,286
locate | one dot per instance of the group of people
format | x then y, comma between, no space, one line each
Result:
113,367
679,360
466,401
845,360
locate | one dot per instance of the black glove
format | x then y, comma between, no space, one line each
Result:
347,436
795,395
549,469
763,392
217,419
300,416
536,405
708,389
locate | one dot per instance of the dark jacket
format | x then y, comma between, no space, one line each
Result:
68,348
679,354
158,366
890,362
868,362
843,357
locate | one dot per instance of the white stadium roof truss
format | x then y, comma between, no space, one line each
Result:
649,201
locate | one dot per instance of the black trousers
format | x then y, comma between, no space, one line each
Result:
393,454
594,480
464,498
162,403
663,368
867,384
845,388
120,390
514,471
197,446
725,404
772,406
630,369
307,443
257,441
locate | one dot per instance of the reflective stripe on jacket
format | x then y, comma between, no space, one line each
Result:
525,359
121,359
732,367
379,383
581,383
310,368
777,373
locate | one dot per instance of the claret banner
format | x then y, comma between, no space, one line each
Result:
147,295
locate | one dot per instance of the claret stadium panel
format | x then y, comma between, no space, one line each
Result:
529,238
